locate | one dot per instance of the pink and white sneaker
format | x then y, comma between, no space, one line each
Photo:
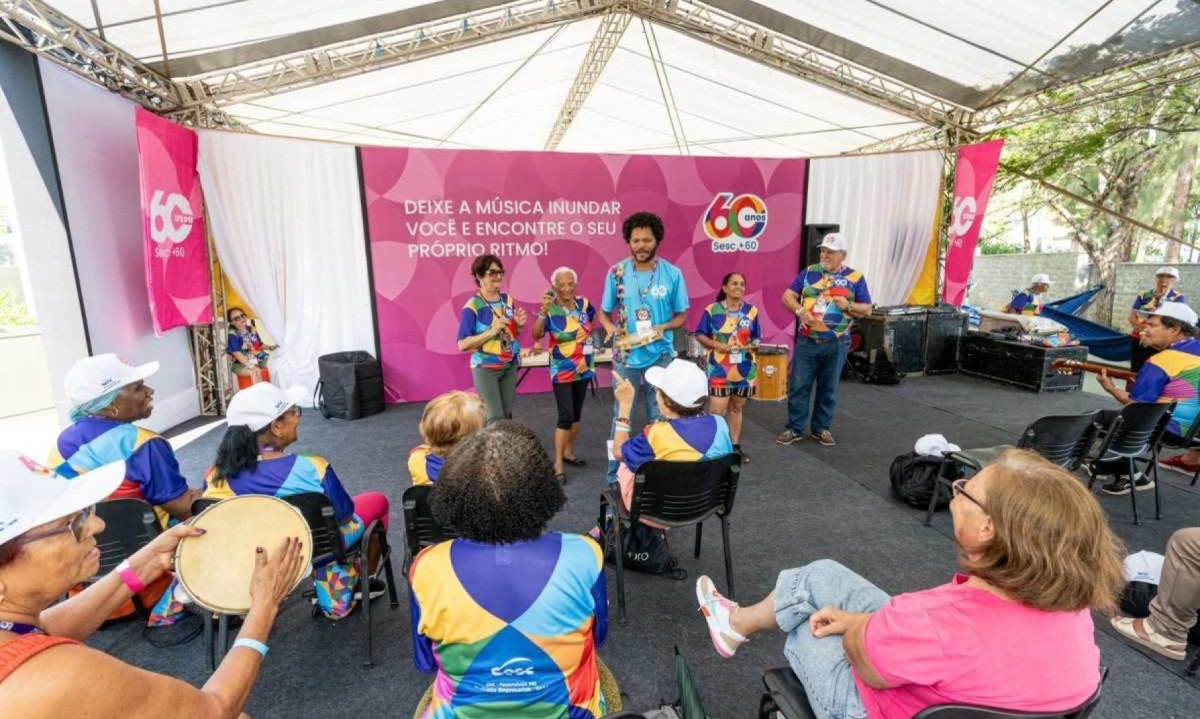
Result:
716,610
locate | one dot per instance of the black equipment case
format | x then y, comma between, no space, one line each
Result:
1019,364
351,385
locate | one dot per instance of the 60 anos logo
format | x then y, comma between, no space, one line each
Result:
735,223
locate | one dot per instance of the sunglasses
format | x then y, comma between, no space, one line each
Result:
495,273
237,318
959,486
77,526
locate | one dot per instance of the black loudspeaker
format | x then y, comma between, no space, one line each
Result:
813,234
901,336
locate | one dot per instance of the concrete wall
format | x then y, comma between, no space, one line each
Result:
996,276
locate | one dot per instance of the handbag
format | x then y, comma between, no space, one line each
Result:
645,549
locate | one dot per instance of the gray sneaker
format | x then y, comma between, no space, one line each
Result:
825,437
788,436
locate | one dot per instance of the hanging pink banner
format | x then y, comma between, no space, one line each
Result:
177,267
431,212
974,173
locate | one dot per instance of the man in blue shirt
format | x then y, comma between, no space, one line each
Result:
644,295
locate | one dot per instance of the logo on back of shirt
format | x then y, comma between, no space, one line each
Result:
507,669
734,224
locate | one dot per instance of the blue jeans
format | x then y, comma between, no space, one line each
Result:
821,663
820,364
643,390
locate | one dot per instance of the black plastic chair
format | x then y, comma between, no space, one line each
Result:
1062,439
676,494
1132,438
421,528
784,693
129,525
1188,441
202,503
327,543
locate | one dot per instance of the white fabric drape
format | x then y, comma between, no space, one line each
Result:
286,217
885,205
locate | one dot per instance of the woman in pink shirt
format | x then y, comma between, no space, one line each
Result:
1012,631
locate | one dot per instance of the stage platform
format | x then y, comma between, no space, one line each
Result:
795,504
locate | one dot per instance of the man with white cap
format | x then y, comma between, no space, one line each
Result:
825,297
1145,303
48,530
107,396
1030,301
1171,375
688,434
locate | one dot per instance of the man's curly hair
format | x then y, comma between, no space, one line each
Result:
497,486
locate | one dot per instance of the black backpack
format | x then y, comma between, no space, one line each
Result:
645,550
913,478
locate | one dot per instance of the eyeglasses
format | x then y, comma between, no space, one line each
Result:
495,273
959,486
296,410
237,318
76,527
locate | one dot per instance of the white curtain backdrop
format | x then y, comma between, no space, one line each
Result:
286,216
885,205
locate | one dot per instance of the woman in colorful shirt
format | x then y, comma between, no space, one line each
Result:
1030,302
567,320
685,434
107,396
510,615
446,420
1013,630
488,329
263,420
48,531
245,347
729,330
1145,304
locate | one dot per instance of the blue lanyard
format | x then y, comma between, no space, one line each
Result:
18,628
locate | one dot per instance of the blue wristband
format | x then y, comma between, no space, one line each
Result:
253,644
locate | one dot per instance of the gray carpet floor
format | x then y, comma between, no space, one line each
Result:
795,504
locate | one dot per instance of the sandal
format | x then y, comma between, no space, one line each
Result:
575,461
1153,640
561,478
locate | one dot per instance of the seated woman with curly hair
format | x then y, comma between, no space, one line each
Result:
1012,631
510,615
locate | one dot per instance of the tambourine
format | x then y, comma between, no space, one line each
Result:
628,342
215,568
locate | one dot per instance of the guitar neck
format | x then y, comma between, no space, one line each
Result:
1113,371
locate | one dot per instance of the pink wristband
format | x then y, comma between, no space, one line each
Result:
130,577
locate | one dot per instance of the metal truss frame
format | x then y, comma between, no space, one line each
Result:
604,44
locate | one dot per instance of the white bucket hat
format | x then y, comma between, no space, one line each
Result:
31,494
1176,310
96,376
682,381
1040,278
259,405
1169,271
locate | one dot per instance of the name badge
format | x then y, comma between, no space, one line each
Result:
588,348
735,357
642,321
820,306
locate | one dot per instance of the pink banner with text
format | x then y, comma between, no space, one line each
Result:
431,212
974,173
176,250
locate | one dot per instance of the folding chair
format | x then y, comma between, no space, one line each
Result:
1064,440
1131,438
129,525
1188,441
676,494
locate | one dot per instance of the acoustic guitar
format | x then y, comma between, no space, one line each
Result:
1067,366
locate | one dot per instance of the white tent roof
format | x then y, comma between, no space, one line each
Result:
507,93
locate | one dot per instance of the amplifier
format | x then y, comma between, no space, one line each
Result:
900,336
1019,364
944,329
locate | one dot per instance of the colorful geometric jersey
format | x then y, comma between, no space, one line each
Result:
478,316
684,439
570,332
722,325
423,465
1026,303
151,470
249,344
1146,303
511,629
817,288
653,295
1173,373
296,474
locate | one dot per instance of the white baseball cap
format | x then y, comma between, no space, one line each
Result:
31,494
1040,278
682,380
96,376
1178,311
1167,271
260,404
835,241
